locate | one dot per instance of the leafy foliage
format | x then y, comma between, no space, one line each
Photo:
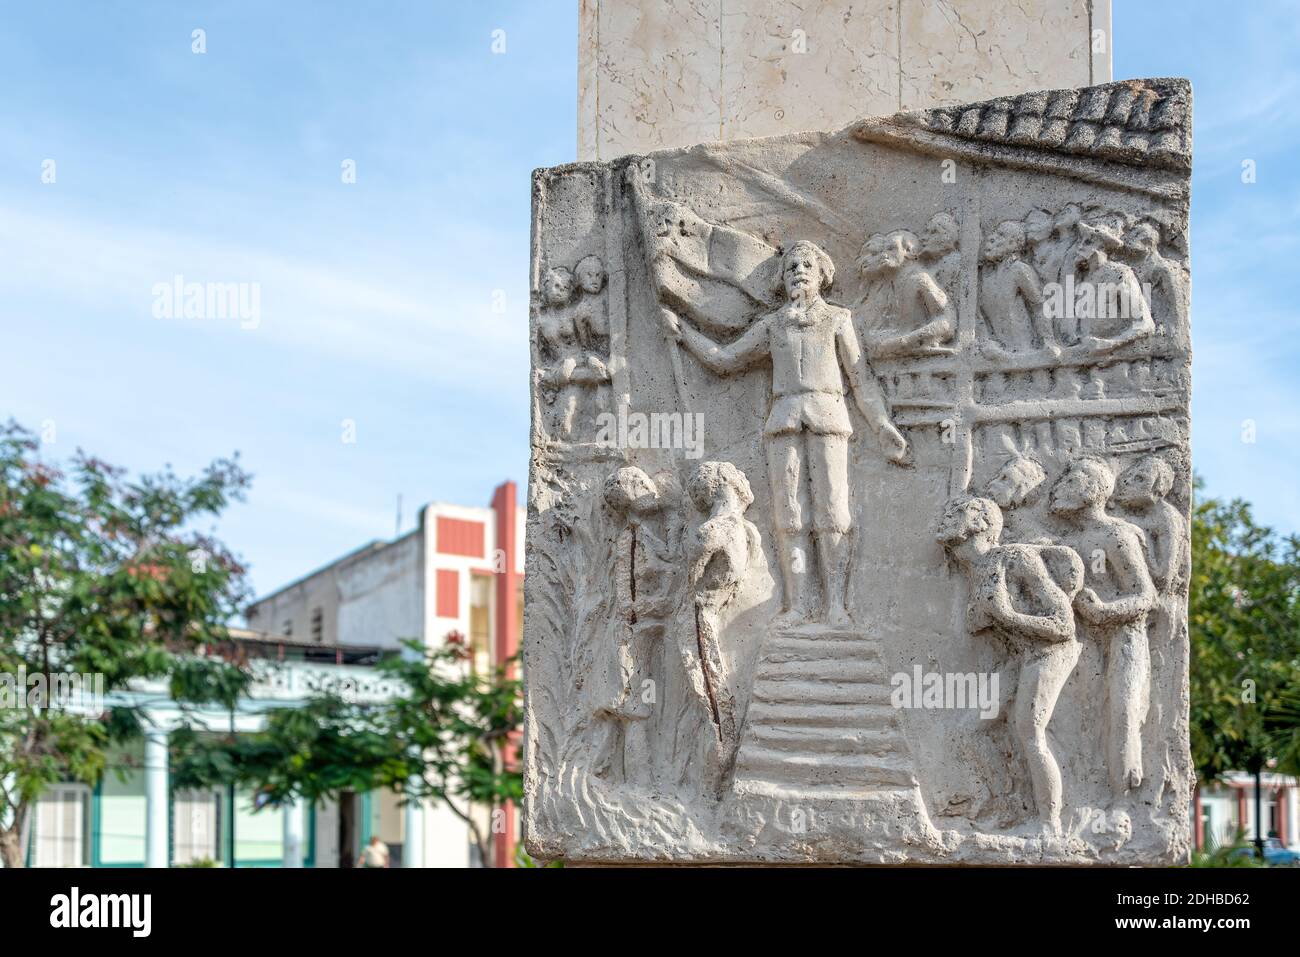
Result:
448,737
1244,620
1237,854
102,576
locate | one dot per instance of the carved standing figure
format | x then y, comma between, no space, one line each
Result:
593,325
812,346
1022,595
647,596
1113,605
720,550
1142,491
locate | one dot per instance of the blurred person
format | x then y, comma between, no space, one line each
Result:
375,854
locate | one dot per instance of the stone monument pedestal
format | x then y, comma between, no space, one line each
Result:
860,492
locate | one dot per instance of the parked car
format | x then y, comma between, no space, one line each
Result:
1275,854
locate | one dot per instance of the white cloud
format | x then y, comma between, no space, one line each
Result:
439,324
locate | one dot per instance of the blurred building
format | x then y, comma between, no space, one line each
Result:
1223,810
460,571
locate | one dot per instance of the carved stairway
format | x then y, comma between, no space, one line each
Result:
820,723
822,763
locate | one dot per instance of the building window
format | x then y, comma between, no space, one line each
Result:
287,630
317,625
196,826
480,622
62,834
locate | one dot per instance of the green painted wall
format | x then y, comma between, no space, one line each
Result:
121,815
259,836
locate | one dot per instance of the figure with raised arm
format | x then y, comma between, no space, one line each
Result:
812,346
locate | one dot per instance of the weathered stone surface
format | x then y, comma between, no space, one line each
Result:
860,490
677,72
956,51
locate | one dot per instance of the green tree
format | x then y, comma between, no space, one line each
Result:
448,737
1244,621
105,577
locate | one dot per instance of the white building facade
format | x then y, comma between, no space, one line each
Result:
459,572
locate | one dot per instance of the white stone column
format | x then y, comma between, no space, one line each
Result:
669,73
1292,812
413,845
293,834
155,798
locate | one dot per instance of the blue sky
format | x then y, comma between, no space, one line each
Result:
378,297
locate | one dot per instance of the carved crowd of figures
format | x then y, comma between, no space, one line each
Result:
1077,284
1080,283
1100,566
672,588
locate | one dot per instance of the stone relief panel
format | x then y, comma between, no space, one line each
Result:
860,489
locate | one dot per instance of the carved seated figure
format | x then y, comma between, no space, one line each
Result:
938,254
1020,595
906,310
1038,238
1111,307
1057,254
1159,278
1011,298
